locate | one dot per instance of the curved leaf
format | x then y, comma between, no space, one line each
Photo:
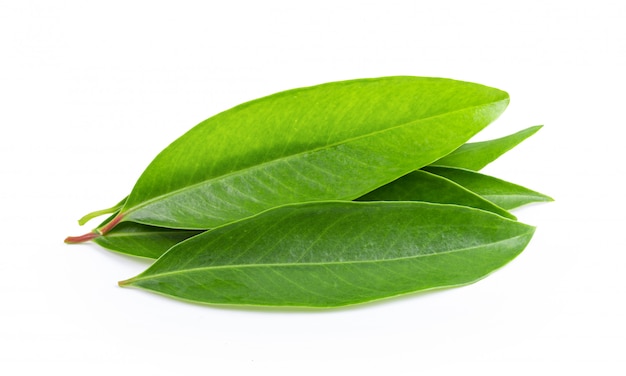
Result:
476,155
142,240
333,141
94,214
471,156
329,254
502,193
149,241
423,186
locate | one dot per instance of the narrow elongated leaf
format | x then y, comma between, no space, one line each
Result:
151,241
142,240
423,186
476,155
114,209
333,141
502,193
329,254
471,156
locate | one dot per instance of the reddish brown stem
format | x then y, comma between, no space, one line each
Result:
95,233
106,228
83,238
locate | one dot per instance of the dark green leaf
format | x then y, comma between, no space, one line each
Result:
329,254
502,193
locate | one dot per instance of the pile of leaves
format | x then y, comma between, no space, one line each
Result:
324,196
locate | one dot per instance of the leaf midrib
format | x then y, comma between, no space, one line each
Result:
258,166
149,233
160,275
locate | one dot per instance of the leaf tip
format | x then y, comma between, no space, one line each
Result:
83,221
544,198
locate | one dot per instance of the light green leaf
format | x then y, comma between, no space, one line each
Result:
114,209
333,141
476,155
502,193
471,156
424,186
328,254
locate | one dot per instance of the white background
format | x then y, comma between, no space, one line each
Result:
90,92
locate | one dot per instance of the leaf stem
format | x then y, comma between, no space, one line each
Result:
87,217
95,233
106,228
82,238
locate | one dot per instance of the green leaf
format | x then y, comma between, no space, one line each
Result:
328,254
502,193
333,141
424,186
149,241
471,156
142,240
114,209
476,155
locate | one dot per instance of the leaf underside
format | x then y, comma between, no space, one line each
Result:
330,254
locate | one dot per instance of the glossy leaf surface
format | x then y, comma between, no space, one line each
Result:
502,193
328,254
471,155
142,240
423,186
333,141
476,155
150,241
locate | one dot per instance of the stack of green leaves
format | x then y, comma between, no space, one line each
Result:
325,196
